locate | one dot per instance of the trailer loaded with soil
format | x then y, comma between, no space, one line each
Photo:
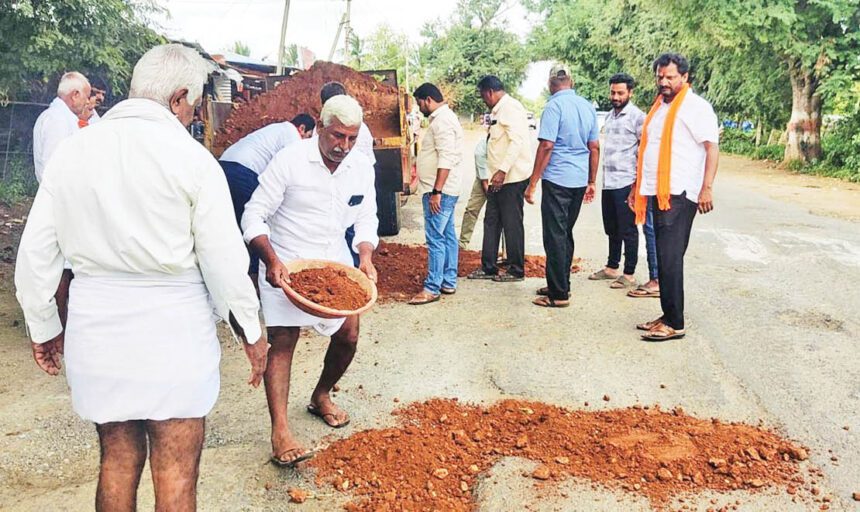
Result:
385,107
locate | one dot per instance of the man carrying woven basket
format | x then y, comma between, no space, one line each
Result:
310,193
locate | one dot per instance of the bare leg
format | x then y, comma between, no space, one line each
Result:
277,381
123,454
339,355
174,457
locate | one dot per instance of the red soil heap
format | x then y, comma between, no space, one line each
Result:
329,287
402,268
301,94
432,461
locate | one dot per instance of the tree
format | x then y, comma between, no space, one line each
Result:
387,48
42,39
473,44
763,59
240,48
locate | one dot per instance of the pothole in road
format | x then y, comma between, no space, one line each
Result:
811,319
437,455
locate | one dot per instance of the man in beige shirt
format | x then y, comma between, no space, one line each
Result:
509,165
439,186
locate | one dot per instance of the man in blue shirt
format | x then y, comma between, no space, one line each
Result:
566,164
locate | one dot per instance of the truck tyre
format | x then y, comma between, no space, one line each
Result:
388,212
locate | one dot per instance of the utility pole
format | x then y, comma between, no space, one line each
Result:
281,49
336,38
346,32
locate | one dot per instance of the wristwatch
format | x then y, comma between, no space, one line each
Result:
435,192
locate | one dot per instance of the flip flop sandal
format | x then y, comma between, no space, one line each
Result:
647,326
663,333
507,278
421,302
319,414
292,463
601,275
621,283
642,292
480,274
547,302
543,290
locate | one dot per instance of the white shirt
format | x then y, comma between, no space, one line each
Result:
52,126
133,195
257,149
695,124
363,143
305,209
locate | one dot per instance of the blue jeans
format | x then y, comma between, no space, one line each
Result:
443,250
650,240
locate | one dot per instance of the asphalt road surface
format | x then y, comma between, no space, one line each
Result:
773,289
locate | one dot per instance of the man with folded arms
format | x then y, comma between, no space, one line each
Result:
308,196
142,214
677,164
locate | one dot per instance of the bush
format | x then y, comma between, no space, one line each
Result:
737,142
773,152
19,180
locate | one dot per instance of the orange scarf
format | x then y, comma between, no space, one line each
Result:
664,163
83,123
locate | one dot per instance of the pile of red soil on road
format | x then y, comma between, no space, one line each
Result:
329,287
434,459
402,268
301,94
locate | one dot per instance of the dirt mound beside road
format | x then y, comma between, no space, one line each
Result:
433,460
301,93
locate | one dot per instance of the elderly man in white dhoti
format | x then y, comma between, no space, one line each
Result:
142,213
310,193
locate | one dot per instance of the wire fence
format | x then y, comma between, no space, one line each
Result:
17,176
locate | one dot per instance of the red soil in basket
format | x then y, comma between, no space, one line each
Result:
329,287
436,457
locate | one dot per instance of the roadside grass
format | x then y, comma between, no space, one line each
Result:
18,181
841,154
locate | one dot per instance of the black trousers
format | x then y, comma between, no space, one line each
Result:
559,209
505,214
619,224
672,229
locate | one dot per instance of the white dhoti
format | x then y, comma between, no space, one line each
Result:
141,348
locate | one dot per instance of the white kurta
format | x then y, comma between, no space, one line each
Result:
257,149
52,126
305,210
143,215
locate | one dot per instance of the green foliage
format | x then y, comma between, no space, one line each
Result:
240,48
459,53
737,142
42,39
386,48
772,152
842,147
741,51
18,179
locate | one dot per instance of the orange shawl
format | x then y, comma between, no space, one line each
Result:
664,163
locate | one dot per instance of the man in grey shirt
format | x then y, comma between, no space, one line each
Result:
622,131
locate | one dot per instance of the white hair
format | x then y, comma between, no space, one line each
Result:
343,108
71,82
167,68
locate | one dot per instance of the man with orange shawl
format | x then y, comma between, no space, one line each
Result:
677,164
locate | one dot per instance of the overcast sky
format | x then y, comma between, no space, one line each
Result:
216,24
